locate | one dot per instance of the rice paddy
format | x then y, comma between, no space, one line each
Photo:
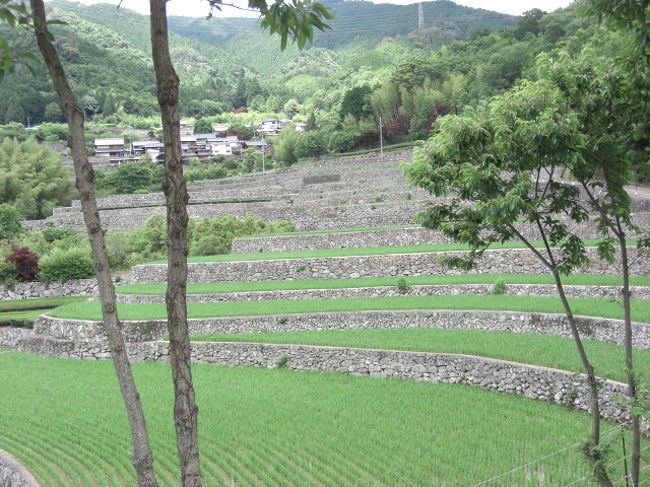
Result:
65,419
451,279
544,350
607,308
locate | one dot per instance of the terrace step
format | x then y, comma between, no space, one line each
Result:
507,261
393,237
638,292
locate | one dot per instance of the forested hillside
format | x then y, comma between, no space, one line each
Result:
229,63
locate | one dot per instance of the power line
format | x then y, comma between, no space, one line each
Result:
549,456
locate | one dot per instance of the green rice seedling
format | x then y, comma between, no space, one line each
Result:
231,287
90,310
278,427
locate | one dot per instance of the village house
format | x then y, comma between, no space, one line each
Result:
113,147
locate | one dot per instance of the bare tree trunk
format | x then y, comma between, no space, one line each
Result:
594,453
185,408
142,457
629,360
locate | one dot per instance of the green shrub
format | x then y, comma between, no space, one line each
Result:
8,273
402,286
63,265
499,287
281,362
51,234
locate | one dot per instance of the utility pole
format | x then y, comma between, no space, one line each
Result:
420,16
381,139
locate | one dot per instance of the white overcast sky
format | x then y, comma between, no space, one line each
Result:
199,8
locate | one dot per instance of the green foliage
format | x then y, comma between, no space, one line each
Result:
402,285
342,141
8,273
311,143
32,179
281,362
9,222
356,102
52,234
202,126
285,146
206,236
131,177
499,287
63,265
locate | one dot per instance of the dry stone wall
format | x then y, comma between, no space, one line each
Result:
511,261
27,290
540,383
393,237
600,329
14,474
638,292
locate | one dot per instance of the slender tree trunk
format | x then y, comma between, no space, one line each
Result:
185,408
142,457
594,454
629,360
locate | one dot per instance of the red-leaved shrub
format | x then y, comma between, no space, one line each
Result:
25,261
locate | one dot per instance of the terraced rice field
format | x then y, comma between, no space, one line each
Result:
64,419
91,310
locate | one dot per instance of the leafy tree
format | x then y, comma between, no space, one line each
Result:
285,146
202,126
291,108
311,122
312,143
9,222
32,178
501,162
14,112
53,112
356,102
132,177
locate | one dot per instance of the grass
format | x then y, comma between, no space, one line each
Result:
151,311
234,287
362,251
39,303
337,230
65,421
27,310
544,350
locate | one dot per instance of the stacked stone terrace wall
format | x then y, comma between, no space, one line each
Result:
14,474
389,238
638,292
311,217
11,337
27,290
510,261
594,328
540,383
